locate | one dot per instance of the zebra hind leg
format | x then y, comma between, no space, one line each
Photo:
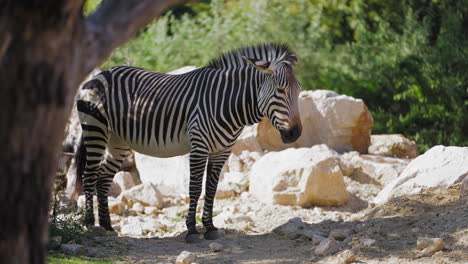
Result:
95,148
198,158
215,165
115,155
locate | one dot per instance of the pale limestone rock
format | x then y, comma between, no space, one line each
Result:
346,256
131,230
151,210
339,121
464,188
243,161
393,145
367,242
147,194
247,141
429,246
115,206
138,208
327,247
170,175
215,247
304,177
186,258
439,166
372,169
122,181
237,181
225,191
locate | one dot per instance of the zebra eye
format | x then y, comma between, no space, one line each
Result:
280,90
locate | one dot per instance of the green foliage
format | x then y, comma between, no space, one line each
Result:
406,59
69,227
65,259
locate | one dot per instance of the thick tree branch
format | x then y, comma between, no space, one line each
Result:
114,23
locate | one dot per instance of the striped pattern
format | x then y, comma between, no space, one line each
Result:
201,112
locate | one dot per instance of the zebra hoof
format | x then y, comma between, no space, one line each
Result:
192,238
212,235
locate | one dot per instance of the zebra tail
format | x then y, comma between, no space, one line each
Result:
80,162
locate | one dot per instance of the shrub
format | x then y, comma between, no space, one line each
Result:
406,60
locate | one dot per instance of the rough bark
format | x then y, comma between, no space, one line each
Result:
46,49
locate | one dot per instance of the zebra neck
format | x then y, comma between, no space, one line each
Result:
247,82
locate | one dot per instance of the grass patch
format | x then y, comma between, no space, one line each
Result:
64,259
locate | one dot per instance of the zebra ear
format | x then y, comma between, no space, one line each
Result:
262,65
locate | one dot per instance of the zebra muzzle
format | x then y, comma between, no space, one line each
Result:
290,135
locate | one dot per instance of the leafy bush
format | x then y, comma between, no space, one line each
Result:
69,227
406,59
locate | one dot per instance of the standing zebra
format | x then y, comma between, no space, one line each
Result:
201,112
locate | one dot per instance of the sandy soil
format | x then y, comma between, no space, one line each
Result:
251,232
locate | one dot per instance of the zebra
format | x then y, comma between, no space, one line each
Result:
201,112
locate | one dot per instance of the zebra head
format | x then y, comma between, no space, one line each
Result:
278,94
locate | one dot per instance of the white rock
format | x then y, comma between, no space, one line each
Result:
304,177
347,256
327,247
339,121
464,188
138,207
225,191
368,242
215,247
393,145
115,206
146,194
131,229
186,258
372,169
151,210
429,246
238,181
122,181
170,175
247,141
243,161
439,166
73,249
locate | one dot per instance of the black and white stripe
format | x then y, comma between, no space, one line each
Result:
201,112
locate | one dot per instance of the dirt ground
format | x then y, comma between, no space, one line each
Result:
395,226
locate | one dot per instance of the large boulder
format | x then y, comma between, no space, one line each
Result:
147,194
304,177
122,181
378,170
170,175
247,141
393,145
439,166
339,121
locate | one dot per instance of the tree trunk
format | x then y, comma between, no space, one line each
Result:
46,49
37,75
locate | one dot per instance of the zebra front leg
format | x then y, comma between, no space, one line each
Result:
215,165
198,158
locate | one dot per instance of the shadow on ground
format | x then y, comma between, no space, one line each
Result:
395,226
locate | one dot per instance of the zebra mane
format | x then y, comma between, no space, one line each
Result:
272,52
